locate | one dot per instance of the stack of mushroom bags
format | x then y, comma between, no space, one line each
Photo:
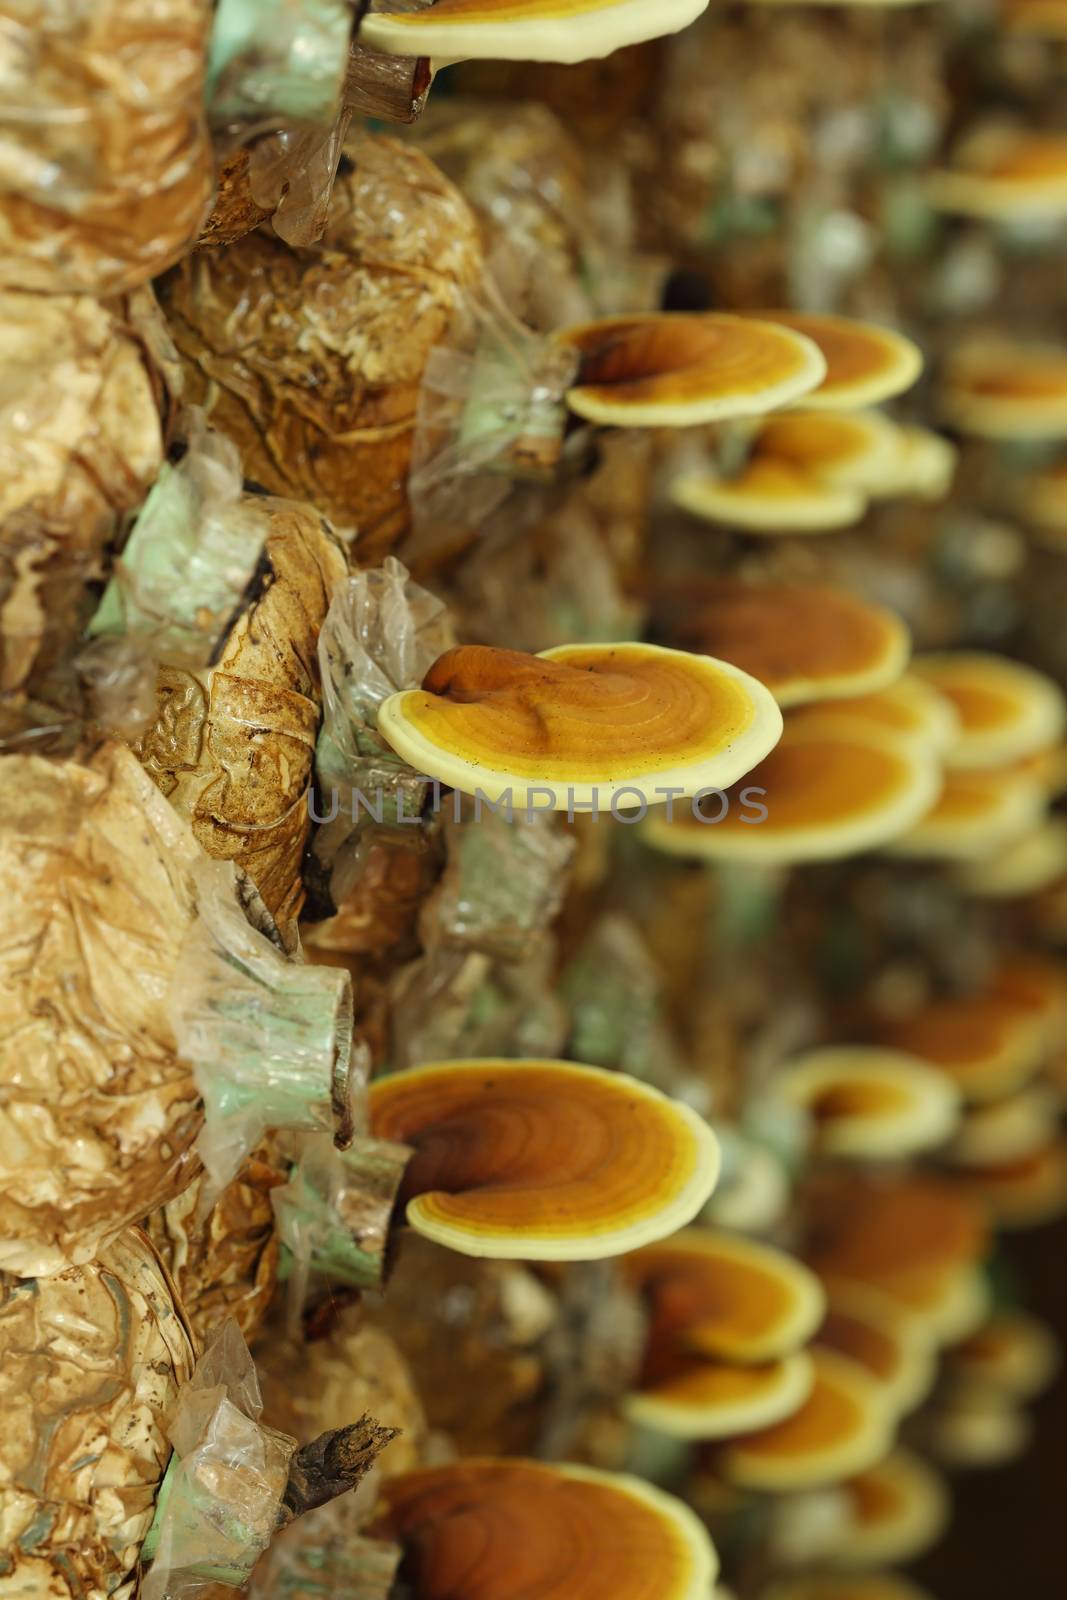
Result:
450,701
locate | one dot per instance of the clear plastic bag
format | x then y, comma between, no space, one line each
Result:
220,1501
269,1039
491,411
382,634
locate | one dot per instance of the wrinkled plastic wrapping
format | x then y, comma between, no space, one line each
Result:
471,1331
558,221
317,1560
223,1493
591,1353
613,992
503,883
90,1364
334,1212
232,744
190,555
457,1003
130,958
86,390
270,1040
563,577
281,59
291,173
105,159
234,1481
97,1110
224,1264
382,634
491,411
345,1370
311,360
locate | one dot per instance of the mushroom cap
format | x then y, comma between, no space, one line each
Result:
526,30
717,1400
976,814
726,1297
910,707
769,496
1007,711
986,1044
1048,767
582,724
1041,499
1013,1354
1001,172
926,463
1027,866
1046,19
542,1160
870,1103
490,1529
868,1326
914,1237
804,641
865,364
1009,1129
994,390
843,1427
672,370
972,1427
1036,981
828,791
897,1509
848,449
1023,1193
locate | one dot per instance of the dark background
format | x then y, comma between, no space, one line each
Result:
1008,1536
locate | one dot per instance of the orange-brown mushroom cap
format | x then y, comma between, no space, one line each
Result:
526,30
1036,982
868,1326
909,707
843,1427
724,1296
1046,19
850,449
671,370
1013,1353
975,815
1040,499
581,725
896,1510
867,1103
805,641
865,364
1006,711
691,1398
1023,1193
986,1044
994,390
488,1529
825,792
1000,172
1007,1129
916,1238
769,497
1036,861
542,1160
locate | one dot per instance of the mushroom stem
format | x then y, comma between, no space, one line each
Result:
331,1465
